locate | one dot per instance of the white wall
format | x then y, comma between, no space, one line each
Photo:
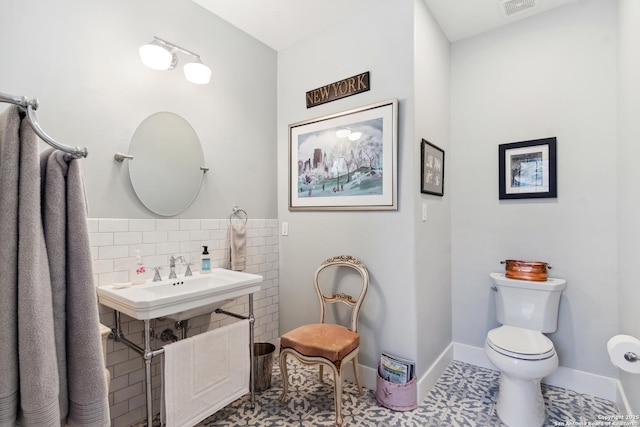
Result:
432,238
80,59
549,75
379,40
628,190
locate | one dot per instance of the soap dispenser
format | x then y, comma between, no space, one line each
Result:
206,261
138,276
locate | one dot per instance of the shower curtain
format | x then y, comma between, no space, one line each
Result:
51,368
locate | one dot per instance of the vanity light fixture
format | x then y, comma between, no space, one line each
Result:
162,55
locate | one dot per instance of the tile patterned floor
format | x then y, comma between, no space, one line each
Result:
464,396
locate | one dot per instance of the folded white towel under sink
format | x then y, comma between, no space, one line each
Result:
204,373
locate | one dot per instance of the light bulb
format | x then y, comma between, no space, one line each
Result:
156,57
197,72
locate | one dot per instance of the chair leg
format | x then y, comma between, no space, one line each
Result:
356,370
320,374
337,387
285,376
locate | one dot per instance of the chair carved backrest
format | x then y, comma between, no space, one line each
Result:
355,302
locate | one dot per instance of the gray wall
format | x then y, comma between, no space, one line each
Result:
80,59
408,310
550,75
628,190
379,40
432,238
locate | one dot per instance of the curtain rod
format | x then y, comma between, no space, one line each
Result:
30,106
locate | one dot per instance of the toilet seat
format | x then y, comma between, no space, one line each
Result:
520,343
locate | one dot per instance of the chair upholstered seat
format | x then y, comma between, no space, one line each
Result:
328,340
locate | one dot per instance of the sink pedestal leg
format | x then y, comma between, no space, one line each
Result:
147,371
252,371
146,354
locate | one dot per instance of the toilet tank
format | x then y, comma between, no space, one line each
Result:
527,304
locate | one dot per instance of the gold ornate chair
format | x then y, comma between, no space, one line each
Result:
328,344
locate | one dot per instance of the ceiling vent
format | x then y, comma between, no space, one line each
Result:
512,7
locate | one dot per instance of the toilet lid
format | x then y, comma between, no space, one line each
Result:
520,343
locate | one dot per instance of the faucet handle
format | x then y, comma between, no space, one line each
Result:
188,270
156,277
173,258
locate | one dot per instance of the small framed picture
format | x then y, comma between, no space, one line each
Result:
432,169
527,169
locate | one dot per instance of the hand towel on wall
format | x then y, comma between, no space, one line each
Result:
204,373
238,244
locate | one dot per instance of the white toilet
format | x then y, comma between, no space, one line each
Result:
519,349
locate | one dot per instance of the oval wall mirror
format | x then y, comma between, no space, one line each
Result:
166,169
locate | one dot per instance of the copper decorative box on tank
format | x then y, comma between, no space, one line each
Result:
526,270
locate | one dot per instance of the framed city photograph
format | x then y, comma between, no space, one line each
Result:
527,169
345,161
431,169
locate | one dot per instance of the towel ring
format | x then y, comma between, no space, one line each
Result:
238,212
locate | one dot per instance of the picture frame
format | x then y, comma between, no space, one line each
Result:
528,169
431,169
345,161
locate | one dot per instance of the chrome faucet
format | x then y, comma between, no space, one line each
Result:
172,265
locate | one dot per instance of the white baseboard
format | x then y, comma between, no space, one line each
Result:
429,379
472,355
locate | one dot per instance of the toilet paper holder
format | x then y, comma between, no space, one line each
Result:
630,356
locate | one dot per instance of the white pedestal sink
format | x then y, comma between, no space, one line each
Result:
181,298
178,299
